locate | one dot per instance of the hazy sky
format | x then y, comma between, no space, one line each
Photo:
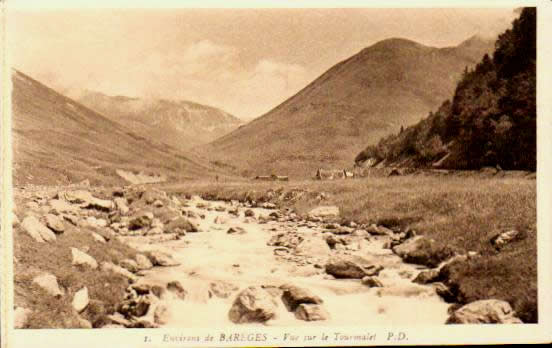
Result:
242,60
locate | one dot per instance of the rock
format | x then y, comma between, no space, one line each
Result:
485,312
311,312
121,205
422,250
54,223
110,267
161,314
349,268
83,323
32,205
129,265
119,319
157,230
253,304
98,238
59,207
504,238
220,208
220,220
75,197
443,291
82,258
80,300
100,204
325,211
134,308
141,289
48,282
177,289
142,262
236,230
20,317
293,296
181,225
379,230
14,219
268,205
372,282
158,258
249,213
426,277
37,230
222,289
158,204
140,220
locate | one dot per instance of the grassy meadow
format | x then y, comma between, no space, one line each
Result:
462,212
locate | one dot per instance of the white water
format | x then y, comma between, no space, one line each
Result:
246,260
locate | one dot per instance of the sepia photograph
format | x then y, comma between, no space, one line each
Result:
245,169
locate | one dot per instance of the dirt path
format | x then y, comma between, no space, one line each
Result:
214,256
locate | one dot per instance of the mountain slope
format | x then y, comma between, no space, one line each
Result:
373,93
491,120
181,124
57,141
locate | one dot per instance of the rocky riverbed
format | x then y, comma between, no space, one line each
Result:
214,263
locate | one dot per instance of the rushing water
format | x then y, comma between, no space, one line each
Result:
246,259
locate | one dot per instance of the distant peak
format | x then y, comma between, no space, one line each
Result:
394,43
476,40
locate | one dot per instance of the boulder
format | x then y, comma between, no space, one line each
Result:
76,197
253,304
313,246
161,314
159,258
95,222
134,308
422,250
98,238
83,259
426,277
143,263
236,230
249,213
81,300
121,205
54,223
373,229
110,267
140,220
220,220
351,268
130,265
372,282
177,289
58,207
158,204
502,239
181,225
293,296
485,312
48,282
311,312
100,204
222,289
20,317
37,230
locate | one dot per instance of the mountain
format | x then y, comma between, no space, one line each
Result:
490,121
58,141
390,84
180,124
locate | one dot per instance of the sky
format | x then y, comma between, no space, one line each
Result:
244,61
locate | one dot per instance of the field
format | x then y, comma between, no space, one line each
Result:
461,212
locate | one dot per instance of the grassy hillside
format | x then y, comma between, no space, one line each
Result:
491,120
180,124
392,83
57,141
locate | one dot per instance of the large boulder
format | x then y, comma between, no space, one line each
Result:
140,220
484,312
253,304
121,205
159,258
58,207
313,246
354,268
54,223
48,282
428,276
81,300
143,262
311,312
422,250
110,267
222,289
181,225
81,258
130,265
293,296
80,197
37,230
